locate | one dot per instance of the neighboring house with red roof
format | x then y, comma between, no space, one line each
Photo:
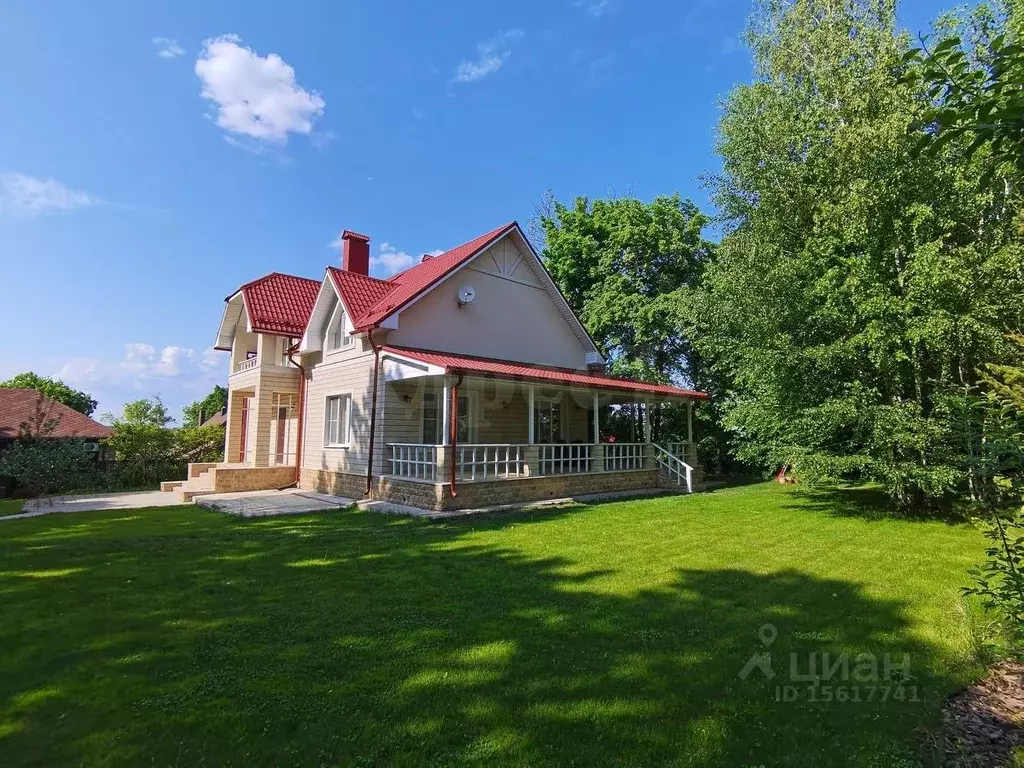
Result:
465,381
28,410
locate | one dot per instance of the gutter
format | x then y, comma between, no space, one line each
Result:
373,411
301,422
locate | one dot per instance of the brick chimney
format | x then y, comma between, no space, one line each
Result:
355,255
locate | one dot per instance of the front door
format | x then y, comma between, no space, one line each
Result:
244,431
281,449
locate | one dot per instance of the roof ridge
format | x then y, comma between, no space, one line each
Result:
275,273
357,274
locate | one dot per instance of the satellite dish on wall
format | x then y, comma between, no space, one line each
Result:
466,295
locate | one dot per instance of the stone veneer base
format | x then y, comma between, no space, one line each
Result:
478,495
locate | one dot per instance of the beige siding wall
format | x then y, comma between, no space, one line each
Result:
509,320
347,372
260,384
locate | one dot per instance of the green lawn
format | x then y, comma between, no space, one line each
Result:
10,506
611,634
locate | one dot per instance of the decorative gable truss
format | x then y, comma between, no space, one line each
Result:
512,257
330,324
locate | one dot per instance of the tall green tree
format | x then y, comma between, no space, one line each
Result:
196,413
974,73
627,268
859,285
53,389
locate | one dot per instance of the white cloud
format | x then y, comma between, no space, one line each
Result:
22,195
597,8
491,56
167,48
391,260
255,95
142,363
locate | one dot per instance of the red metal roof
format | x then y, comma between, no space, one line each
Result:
360,292
280,303
508,369
412,282
20,406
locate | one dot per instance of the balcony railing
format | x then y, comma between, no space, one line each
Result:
490,462
247,365
413,460
571,459
500,461
623,456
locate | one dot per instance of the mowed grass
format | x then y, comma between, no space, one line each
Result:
11,507
611,634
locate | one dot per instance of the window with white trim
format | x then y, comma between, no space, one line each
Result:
547,421
337,421
337,335
433,418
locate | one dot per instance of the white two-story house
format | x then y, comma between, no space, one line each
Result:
465,381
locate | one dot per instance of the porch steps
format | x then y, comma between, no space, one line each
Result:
171,485
200,485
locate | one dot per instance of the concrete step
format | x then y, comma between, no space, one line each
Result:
171,485
200,485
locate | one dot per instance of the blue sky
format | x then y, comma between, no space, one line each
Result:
153,158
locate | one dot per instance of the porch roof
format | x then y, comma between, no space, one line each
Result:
508,369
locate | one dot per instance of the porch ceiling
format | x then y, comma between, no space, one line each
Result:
427,363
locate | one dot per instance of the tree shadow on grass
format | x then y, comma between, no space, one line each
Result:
356,639
864,502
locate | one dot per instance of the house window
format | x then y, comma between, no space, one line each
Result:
433,419
547,421
337,335
337,421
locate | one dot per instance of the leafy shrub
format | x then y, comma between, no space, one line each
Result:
50,465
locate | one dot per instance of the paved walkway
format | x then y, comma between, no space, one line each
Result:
269,503
95,501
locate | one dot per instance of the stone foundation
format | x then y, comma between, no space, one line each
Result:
237,479
437,497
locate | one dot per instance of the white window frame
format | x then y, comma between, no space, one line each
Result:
471,404
556,402
338,325
348,420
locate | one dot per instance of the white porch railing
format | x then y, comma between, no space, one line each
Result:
490,462
679,450
674,467
570,459
247,365
621,456
413,460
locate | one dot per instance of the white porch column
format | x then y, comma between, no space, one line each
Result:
647,421
530,396
689,421
446,412
597,420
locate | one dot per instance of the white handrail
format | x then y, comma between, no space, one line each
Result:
480,461
674,466
247,365
564,458
622,456
417,461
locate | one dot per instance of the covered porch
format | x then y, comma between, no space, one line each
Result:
477,427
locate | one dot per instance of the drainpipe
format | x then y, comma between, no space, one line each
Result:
373,410
301,420
453,431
